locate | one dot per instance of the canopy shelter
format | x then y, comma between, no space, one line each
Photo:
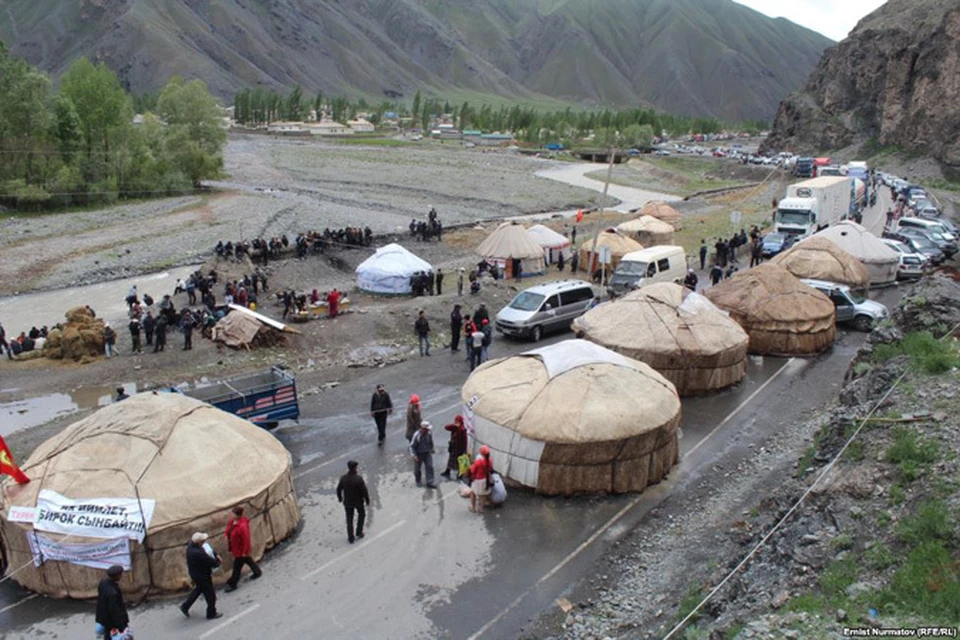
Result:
619,244
509,241
648,231
662,211
880,260
574,417
782,315
821,259
147,473
389,270
554,244
679,333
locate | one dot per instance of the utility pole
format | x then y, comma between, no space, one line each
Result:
596,231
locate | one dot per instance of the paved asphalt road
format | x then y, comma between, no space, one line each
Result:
428,568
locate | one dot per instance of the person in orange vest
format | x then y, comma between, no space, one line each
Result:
239,544
333,303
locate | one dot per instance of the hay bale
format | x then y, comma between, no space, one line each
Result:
53,339
81,337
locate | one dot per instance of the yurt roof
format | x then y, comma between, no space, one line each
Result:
393,259
647,224
858,242
620,244
820,258
162,446
509,240
547,237
572,392
663,318
770,293
663,211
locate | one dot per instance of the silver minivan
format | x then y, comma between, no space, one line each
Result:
851,307
544,308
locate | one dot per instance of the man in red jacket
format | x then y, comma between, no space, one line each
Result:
238,542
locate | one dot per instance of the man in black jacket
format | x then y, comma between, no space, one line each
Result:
200,566
111,611
352,492
456,325
380,407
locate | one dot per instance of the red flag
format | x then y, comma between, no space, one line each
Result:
579,215
8,466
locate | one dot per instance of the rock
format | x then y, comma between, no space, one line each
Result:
810,538
780,599
857,588
841,615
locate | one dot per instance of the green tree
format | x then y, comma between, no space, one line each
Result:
318,105
25,118
294,105
101,104
69,129
415,110
195,135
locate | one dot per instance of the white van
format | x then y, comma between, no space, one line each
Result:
667,263
544,307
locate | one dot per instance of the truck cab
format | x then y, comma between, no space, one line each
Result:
797,216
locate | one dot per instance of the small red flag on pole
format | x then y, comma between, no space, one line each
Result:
579,215
8,466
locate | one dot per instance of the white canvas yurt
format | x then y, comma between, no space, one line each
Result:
388,271
648,231
880,260
821,259
663,211
574,417
146,473
511,240
553,243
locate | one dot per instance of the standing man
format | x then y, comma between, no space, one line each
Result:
333,303
421,449
5,346
240,546
149,324
691,281
480,315
109,340
422,328
460,283
160,341
560,261
476,347
487,332
703,254
111,611
456,324
716,274
380,407
517,269
200,565
121,394
352,493
188,324
439,282
135,336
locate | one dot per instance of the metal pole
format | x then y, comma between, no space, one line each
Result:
596,231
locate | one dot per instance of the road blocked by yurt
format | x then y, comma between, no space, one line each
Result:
821,259
574,417
681,334
782,315
165,461
881,261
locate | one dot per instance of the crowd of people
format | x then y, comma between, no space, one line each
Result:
260,250
27,341
425,230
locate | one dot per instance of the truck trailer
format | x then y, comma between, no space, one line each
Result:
814,204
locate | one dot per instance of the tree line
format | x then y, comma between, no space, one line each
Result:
77,144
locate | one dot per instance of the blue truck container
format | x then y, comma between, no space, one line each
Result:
264,398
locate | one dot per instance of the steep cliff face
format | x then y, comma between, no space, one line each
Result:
894,80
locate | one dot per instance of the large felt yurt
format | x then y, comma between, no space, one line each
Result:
648,231
511,240
574,417
388,271
663,211
554,244
822,259
782,315
130,484
679,333
881,261
620,245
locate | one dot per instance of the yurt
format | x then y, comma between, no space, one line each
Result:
574,417
663,211
880,260
648,231
781,315
511,240
681,334
388,271
822,259
554,244
130,484
620,245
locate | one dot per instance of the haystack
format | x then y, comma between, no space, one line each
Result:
881,261
228,269
620,245
180,453
575,417
244,328
781,315
679,333
81,336
822,259
648,231
663,211
511,240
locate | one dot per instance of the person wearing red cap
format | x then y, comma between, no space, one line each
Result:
457,446
413,416
480,479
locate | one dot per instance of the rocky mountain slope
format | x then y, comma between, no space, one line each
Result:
893,81
696,57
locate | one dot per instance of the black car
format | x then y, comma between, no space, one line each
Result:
774,243
948,247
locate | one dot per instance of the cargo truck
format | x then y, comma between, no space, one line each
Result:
264,398
813,204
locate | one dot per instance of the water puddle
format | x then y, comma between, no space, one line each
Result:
32,412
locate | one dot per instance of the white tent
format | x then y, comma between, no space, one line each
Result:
553,243
510,240
880,260
388,271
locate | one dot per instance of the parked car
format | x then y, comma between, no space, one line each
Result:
921,245
948,247
852,307
774,243
927,225
911,264
543,308
661,152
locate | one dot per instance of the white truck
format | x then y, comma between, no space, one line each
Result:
813,204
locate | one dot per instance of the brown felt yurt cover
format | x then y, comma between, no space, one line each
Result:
620,245
679,333
821,259
575,417
663,211
648,231
781,315
196,461
236,329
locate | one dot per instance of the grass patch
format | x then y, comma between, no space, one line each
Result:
879,557
803,466
842,542
690,600
931,522
862,368
373,142
807,603
927,354
733,631
925,586
910,453
835,579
